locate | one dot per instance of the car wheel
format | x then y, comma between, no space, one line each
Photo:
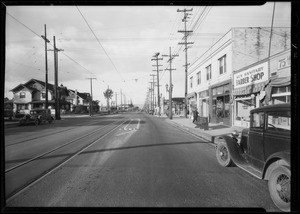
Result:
36,122
223,155
280,187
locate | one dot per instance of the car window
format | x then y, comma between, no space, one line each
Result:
279,121
257,120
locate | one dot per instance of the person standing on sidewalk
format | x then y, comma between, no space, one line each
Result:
195,115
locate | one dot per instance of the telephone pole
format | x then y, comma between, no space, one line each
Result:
153,84
157,70
55,50
170,89
46,66
186,43
91,97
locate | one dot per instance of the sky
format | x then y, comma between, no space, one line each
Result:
115,44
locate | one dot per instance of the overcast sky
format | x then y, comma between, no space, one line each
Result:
115,44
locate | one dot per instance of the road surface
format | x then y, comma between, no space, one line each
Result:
124,160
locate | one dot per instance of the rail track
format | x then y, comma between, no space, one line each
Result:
12,171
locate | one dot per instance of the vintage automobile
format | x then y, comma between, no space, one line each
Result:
37,116
263,150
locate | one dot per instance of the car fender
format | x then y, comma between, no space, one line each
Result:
234,151
278,158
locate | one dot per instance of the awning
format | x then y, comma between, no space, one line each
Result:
250,89
243,98
275,82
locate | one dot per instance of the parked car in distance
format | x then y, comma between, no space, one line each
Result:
151,112
263,150
37,116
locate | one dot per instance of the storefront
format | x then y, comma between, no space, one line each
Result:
204,103
220,103
253,87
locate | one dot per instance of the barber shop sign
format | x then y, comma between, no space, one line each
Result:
251,76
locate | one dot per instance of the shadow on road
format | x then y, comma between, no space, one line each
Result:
109,149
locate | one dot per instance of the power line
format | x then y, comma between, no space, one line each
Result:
50,44
99,43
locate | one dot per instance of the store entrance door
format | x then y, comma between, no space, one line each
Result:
221,109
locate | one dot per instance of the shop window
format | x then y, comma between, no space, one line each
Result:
208,72
227,106
220,90
191,82
279,121
226,88
22,94
214,106
281,99
257,120
222,65
214,91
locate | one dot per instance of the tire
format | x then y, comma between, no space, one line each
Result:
36,122
280,187
223,155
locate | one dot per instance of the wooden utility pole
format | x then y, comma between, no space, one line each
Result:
170,89
157,70
46,66
57,107
186,33
153,84
91,97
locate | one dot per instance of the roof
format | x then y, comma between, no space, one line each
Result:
272,107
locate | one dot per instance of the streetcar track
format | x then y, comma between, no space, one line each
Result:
48,171
55,149
48,134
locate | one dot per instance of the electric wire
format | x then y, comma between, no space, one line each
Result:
100,43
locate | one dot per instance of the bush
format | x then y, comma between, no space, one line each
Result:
80,109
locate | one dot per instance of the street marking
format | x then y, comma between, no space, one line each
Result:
126,133
125,128
138,125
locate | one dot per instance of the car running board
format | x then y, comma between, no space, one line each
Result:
256,173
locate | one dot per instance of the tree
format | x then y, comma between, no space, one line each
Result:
108,95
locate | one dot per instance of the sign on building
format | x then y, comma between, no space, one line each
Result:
251,76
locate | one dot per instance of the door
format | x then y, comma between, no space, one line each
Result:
256,139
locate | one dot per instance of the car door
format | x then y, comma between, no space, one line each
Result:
278,132
255,140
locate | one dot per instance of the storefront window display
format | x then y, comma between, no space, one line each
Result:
221,102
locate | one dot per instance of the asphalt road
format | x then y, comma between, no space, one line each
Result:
127,160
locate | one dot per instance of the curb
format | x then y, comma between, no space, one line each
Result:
206,137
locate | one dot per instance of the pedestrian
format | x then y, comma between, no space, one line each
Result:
195,115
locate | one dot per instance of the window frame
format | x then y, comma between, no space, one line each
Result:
208,72
222,65
22,94
199,78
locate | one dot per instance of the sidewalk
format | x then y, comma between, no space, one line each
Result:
210,135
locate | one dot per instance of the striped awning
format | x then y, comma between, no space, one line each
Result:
249,89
